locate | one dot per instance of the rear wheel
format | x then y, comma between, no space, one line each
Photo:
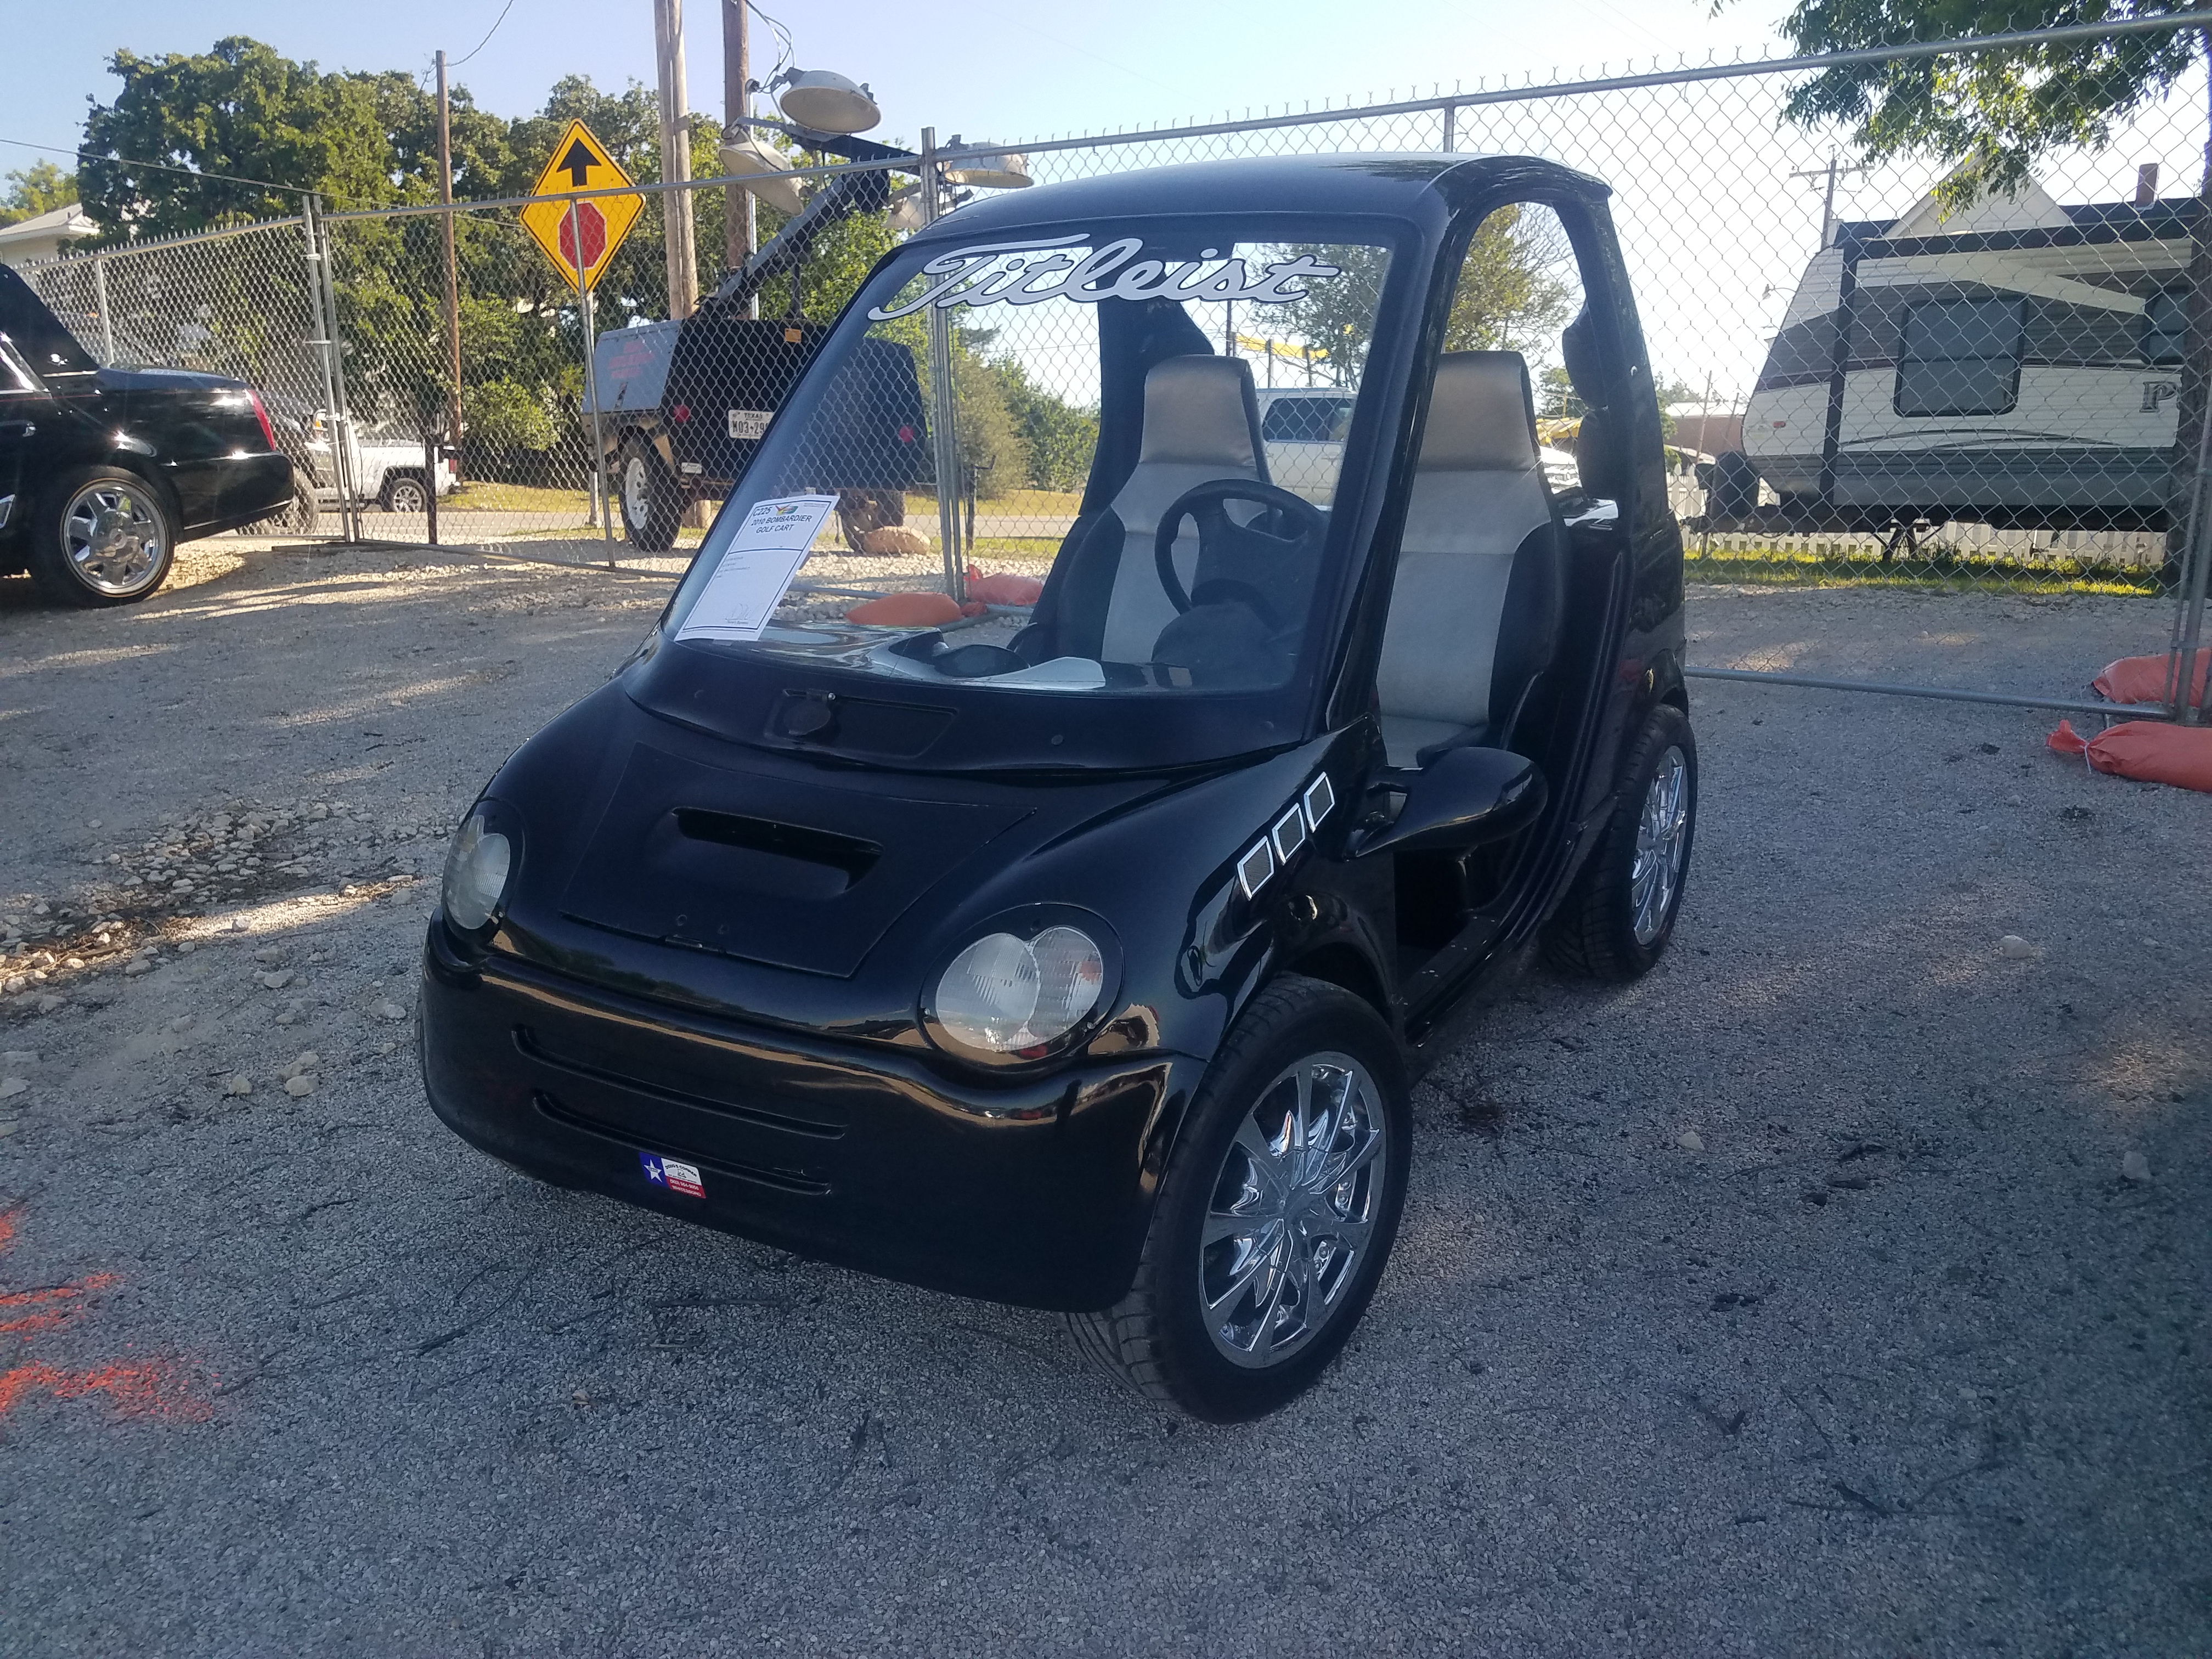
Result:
1617,918
302,512
109,539
1279,1207
650,510
404,492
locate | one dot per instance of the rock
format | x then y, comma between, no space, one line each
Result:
2134,1166
276,982
305,1062
9,1126
12,1086
19,1057
240,1084
1690,1141
182,1022
894,538
2013,948
388,1009
94,824
48,1003
302,1084
138,965
186,948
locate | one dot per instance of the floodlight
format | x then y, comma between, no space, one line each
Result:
827,102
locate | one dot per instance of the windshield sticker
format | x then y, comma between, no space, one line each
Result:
1029,273
757,566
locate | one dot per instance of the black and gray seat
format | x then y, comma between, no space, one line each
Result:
1201,422
1476,608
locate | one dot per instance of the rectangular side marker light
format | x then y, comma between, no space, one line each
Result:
1253,869
1289,834
1320,797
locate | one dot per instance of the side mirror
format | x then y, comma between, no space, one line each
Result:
1461,799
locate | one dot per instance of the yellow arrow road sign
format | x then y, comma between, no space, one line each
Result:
580,162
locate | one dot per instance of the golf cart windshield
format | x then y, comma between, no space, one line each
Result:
1035,469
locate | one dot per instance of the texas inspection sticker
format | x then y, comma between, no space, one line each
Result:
677,1176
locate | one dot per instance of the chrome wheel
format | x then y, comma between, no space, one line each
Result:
637,492
115,538
406,495
1661,838
1293,1210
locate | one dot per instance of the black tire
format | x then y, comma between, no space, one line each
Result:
300,515
1735,487
1157,1337
1595,932
404,492
650,508
104,536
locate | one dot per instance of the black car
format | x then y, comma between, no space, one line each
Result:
1081,957
104,470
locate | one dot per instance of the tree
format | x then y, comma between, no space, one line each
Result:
38,188
1992,114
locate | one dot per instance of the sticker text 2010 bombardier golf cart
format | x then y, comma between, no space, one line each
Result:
1079,954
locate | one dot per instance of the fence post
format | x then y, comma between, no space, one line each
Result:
99,298
322,315
2189,614
946,441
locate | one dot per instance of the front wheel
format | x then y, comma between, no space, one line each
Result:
1279,1207
649,508
1618,916
111,541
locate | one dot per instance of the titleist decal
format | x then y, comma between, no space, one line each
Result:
1029,273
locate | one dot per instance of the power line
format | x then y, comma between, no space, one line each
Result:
486,42
160,167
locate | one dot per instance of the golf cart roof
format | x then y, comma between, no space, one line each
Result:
1412,187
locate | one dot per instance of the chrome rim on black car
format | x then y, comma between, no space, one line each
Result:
114,536
1661,838
1293,1210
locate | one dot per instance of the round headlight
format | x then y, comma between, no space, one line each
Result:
475,875
1005,994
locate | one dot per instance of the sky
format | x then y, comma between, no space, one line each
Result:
983,68
1716,215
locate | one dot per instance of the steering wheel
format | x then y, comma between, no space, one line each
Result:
1286,526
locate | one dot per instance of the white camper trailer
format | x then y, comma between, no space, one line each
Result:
2017,363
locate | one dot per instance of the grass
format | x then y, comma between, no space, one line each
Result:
1922,571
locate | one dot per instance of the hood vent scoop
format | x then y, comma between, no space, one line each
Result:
825,854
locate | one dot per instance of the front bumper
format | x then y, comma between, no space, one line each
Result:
1037,1192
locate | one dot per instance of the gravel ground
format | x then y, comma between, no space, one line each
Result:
1839,1289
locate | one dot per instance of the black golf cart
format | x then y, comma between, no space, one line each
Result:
1080,955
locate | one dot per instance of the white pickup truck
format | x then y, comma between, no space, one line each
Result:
387,470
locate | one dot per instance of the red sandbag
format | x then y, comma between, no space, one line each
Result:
1003,587
2149,751
905,610
2150,679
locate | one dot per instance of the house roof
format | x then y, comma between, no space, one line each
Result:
67,223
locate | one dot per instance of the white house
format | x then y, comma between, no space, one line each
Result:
44,237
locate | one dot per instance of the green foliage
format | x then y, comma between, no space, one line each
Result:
1993,114
1515,286
506,415
1058,438
38,188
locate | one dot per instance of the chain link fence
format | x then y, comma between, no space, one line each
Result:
1871,374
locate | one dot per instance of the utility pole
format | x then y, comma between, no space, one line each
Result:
452,276
1830,172
675,160
737,74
